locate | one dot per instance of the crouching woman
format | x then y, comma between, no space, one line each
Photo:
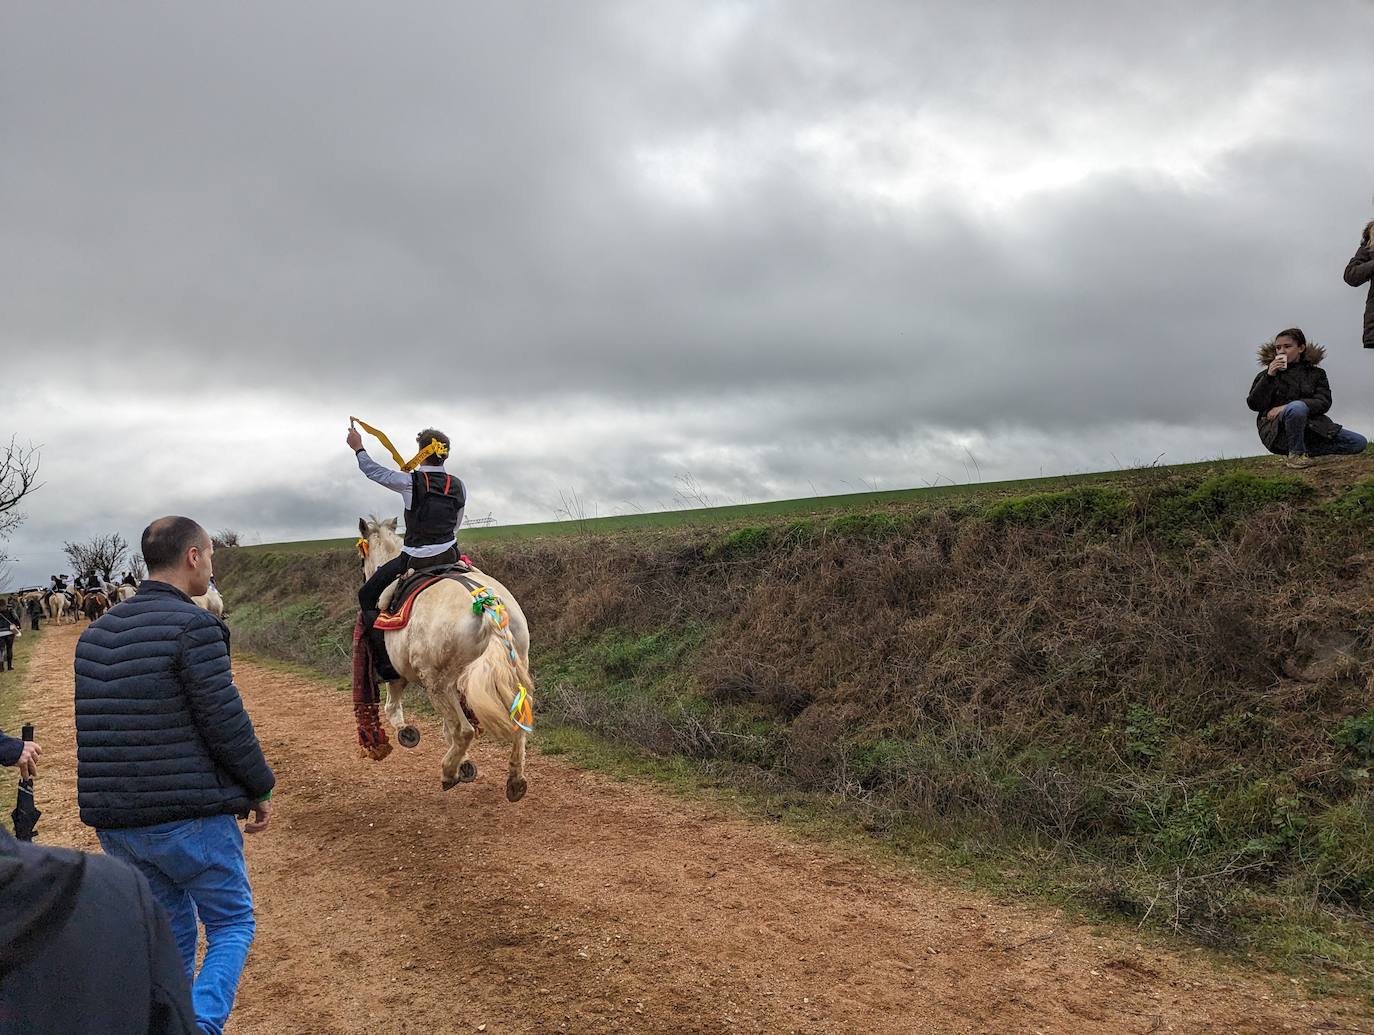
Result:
1291,397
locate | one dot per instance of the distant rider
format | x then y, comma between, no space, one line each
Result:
434,502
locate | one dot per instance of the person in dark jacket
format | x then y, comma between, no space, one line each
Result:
84,947
1291,397
21,753
9,632
1360,270
35,609
167,758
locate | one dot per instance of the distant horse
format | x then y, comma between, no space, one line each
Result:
123,593
56,607
459,658
94,604
211,601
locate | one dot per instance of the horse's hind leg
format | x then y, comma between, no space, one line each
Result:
406,735
516,784
457,767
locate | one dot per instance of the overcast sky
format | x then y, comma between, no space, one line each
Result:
638,250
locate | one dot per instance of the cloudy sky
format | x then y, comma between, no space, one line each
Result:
619,250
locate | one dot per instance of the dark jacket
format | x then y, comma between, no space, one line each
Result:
10,749
1304,380
85,948
1360,270
161,732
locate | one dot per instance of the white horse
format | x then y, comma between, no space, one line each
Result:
211,601
460,658
57,607
123,592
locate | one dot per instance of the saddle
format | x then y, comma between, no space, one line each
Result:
398,600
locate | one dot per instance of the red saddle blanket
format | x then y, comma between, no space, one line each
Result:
410,587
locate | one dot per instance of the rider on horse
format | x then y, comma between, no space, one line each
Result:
434,502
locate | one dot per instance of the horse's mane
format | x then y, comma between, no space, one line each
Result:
386,534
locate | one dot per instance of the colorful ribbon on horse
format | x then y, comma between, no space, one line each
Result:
435,447
486,602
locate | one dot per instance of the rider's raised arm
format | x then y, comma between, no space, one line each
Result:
397,481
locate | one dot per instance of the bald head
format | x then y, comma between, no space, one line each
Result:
167,542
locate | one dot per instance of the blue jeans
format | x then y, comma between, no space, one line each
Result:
196,869
1294,419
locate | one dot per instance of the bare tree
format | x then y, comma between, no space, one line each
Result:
102,554
224,538
137,568
18,478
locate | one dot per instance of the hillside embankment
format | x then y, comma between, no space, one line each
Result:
1152,697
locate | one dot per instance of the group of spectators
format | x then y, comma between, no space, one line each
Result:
1292,394
108,942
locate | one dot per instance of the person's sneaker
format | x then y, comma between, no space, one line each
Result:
1299,460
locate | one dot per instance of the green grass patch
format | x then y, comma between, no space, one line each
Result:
1091,507
1221,501
1356,503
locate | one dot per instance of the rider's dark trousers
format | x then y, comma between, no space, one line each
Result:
393,569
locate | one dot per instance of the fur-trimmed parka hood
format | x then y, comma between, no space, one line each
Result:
1313,353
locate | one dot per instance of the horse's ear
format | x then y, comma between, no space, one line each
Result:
390,523
362,527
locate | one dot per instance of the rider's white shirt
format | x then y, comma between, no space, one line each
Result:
399,481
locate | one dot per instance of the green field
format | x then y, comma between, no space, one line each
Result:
808,506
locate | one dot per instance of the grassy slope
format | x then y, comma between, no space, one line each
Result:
706,516
1126,695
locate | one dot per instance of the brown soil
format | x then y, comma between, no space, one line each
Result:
388,905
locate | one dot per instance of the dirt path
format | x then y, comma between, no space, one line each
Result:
387,905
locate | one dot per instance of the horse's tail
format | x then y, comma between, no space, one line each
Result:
492,684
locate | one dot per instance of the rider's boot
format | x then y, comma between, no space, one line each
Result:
381,661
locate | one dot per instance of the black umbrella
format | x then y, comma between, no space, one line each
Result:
26,813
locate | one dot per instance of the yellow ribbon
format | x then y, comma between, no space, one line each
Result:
435,447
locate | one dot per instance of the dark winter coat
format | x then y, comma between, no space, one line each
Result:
1304,380
1360,270
161,732
10,749
84,947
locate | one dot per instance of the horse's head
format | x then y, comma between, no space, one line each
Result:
378,544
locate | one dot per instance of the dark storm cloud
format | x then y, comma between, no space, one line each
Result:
773,244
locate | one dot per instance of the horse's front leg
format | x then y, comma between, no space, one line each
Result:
406,735
516,784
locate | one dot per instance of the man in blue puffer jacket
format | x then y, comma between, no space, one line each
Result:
167,758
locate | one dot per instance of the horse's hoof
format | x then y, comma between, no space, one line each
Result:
515,788
448,784
408,736
467,772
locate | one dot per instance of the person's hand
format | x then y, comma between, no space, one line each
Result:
1279,362
28,760
354,439
1274,413
262,815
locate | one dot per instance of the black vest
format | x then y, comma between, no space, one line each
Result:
437,499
